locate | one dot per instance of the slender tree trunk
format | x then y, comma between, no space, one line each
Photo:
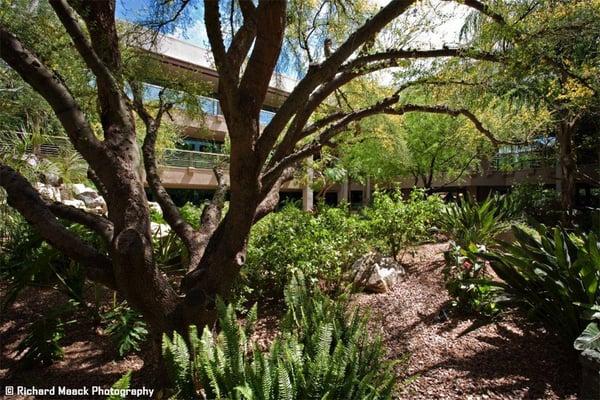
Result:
568,168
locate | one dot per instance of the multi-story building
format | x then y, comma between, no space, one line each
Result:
187,171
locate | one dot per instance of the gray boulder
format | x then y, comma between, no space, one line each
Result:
376,273
74,203
92,200
48,192
90,197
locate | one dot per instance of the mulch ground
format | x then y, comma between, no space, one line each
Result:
456,358
450,357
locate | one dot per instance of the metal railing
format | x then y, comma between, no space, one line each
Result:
52,146
191,159
209,105
508,162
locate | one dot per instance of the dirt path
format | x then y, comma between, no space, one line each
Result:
511,359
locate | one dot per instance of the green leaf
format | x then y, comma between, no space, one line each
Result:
589,338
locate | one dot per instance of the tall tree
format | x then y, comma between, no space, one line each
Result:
550,60
260,161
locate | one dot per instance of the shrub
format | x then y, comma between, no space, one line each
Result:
396,223
322,352
536,201
27,260
552,274
468,222
468,282
319,245
472,226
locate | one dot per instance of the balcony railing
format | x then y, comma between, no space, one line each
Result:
53,146
508,162
191,159
209,105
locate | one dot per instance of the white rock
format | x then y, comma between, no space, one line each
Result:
79,188
31,159
160,230
381,279
154,206
375,273
47,192
74,203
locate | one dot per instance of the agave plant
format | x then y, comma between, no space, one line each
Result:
553,274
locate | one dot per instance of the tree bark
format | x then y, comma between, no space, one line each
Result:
568,168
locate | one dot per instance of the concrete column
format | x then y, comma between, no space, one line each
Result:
367,192
307,192
343,192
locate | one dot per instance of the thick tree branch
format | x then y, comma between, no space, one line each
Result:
383,107
25,199
99,17
271,199
52,88
393,55
244,37
356,68
69,20
103,58
211,216
319,74
484,9
212,20
97,223
270,16
171,213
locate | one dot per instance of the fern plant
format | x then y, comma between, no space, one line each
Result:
41,344
126,328
323,352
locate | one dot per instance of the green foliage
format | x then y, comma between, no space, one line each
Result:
322,352
468,222
122,384
552,274
41,347
468,282
397,223
536,201
169,252
191,214
27,260
319,245
472,227
126,328
589,338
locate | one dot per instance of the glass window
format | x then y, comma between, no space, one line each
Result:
266,117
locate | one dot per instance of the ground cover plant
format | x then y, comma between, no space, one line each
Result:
320,353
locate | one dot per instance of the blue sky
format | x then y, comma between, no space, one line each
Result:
191,27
